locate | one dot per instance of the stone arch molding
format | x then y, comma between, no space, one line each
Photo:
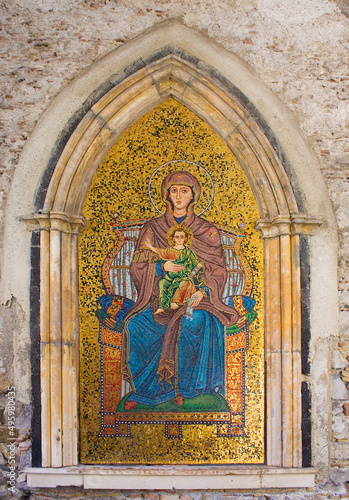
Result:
115,112
172,60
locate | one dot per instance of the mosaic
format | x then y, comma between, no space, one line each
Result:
171,301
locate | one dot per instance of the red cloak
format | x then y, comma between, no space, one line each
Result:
207,247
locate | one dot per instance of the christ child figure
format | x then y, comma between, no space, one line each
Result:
177,288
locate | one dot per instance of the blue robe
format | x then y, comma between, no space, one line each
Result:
200,357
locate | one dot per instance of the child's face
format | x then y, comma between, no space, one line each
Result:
179,238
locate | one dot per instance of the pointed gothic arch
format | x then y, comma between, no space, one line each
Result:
179,63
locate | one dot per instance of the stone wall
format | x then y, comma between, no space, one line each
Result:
298,47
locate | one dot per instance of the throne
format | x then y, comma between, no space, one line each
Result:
229,419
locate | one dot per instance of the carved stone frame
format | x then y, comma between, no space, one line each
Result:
170,71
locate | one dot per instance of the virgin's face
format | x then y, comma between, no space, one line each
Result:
180,196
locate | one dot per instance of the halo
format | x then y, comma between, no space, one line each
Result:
193,166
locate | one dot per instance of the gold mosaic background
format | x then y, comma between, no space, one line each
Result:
120,186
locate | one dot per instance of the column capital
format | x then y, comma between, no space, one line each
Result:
55,221
288,225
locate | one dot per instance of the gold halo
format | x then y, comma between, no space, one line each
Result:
201,174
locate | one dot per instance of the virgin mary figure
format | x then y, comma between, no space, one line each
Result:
173,355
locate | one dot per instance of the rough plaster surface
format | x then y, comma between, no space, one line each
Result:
300,50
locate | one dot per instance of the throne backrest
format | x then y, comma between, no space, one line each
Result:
115,270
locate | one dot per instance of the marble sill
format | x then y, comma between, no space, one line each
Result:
171,477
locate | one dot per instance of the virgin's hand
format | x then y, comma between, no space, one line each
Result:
172,267
196,298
